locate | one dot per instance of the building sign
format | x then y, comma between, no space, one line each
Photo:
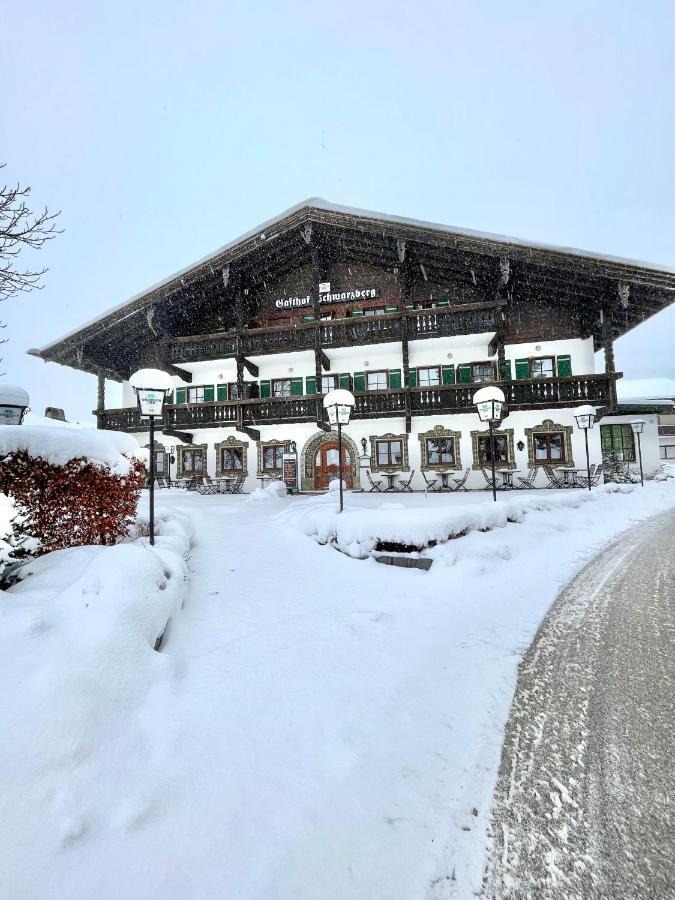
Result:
151,402
327,296
11,415
290,471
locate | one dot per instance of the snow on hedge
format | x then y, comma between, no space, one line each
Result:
59,445
358,532
80,682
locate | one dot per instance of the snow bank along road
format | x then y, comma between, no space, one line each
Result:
584,801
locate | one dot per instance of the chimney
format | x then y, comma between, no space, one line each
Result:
53,412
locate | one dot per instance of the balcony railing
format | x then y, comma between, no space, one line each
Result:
546,393
475,318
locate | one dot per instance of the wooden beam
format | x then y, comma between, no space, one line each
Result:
250,367
185,436
253,433
323,359
323,426
183,374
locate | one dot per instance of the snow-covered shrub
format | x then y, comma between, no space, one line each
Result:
82,501
617,470
274,491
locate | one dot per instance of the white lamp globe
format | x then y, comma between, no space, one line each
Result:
489,401
585,416
338,405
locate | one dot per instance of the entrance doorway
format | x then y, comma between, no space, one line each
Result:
326,465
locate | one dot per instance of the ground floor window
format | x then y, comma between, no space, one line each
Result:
160,456
485,451
272,458
441,451
667,451
191,461
231,459
618,440
389,453
548,448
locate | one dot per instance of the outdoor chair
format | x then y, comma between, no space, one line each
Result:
553,480
405,485
528,483
193,484
237,486
374,485
460,483
488,478
429,484
209,486
596,472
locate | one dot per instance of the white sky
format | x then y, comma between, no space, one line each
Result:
164,129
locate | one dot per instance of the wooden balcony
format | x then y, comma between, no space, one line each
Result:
475,318
544,393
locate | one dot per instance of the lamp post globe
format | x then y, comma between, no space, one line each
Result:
14,402
637,427
339,405
489,402
585,417
152,386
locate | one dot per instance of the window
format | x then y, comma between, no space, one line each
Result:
428,377
233,390
389,453
618,439
328,383
485,449
159,462
193,462
231,459
195,394
441,451
548,448
378,311
667,451
543,367
281,387
376,381
482,371
326,316
272,458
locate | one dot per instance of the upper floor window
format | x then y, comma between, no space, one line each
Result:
281,387
482,371
328,383
542,367
429,377
376,381
195,394
376,311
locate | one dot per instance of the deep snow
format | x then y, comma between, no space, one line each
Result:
315,726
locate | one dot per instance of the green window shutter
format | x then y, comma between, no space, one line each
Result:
308,317
390,309
564,366
222,393
394,378
265,389
310,385
412,377
359,381
357,312
464,373
507,370
443,304
344,380
208,393
522,369
448,374
296,387
180,395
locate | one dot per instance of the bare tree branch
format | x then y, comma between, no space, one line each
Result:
20,228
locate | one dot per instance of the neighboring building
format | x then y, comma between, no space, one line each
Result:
412,317
652,399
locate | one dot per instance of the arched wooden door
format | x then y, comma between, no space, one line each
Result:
326,465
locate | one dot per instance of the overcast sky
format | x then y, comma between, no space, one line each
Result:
164,129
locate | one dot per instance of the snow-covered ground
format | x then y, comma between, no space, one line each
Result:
316,727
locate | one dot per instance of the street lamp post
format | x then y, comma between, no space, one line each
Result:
14,402
638,426
489,402
585,416
152,387
338,405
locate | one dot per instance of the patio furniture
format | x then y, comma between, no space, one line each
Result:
391,478
460,482
488,478
445,481
374,485
528,483
405,485
553,480
429,483
507,479
596,472
237,484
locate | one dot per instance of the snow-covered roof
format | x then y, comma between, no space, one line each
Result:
266,232
643,390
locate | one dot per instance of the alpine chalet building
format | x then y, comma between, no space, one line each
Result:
410,316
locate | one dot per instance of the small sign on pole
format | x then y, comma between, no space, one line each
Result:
290,472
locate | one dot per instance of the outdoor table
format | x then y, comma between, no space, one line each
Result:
227,481
569,477
507,479
445,484
264,478
391,478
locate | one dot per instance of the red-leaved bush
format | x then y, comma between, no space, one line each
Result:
78,503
